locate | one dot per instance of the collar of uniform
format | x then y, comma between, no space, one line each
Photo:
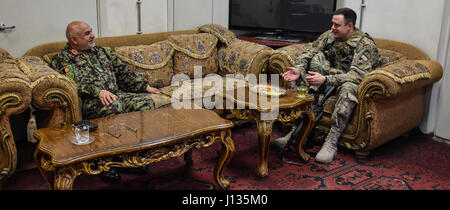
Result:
69,48
353,41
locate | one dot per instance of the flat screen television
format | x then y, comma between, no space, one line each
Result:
279,18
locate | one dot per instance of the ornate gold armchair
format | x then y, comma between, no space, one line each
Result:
15,97
391,98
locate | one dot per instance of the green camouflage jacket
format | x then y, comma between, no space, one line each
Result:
97,69
350,61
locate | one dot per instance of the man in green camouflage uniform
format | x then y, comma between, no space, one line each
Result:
105,85
340,57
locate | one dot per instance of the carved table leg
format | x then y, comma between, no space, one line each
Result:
64,178
264,132
225,157
45,168
308,124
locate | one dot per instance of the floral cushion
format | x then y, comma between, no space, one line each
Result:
225,36
388,57
194,50
154,61
404,71
4,55
243,57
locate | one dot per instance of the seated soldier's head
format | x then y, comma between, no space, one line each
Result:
80,36
343,23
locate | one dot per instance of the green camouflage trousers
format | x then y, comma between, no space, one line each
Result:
347,94
126,102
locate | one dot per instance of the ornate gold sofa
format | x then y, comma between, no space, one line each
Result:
391,98
156,56
15,98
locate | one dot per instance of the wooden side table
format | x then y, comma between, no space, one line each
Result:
289,109
148,137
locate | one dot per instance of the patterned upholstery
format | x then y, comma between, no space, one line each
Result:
194,50
243,57
4,55
225,36
154,61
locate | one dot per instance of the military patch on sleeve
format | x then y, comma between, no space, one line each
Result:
362,60
68,71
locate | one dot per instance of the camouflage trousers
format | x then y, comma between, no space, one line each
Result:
126,102
347,94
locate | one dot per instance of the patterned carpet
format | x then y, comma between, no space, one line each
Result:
414,162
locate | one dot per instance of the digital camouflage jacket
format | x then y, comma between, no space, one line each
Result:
349,60
97,69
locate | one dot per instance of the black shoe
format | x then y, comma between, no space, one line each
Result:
111,176
139,171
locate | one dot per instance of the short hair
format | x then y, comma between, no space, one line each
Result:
349,15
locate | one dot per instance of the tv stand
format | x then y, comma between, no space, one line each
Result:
279,36
274,40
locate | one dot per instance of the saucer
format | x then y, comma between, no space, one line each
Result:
268,90
91,139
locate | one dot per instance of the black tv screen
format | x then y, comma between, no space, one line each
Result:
287,15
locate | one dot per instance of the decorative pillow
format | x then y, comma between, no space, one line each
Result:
404,71
160,100
9,71
291,52
48,57
4,55
194,50
388,57
243,57
35,68
154,61
225,36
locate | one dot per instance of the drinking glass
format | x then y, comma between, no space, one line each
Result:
81,134
301,91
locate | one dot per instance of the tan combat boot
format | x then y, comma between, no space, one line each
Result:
329,148
282,141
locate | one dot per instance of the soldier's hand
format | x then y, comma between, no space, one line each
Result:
152,90
106,97
316,79
291,74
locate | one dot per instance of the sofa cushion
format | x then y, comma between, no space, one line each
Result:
403,71
48,57
4,55
194,50
388,57
10,71
225,36
154,61
243,57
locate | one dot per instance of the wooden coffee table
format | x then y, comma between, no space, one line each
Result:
149,136
289,109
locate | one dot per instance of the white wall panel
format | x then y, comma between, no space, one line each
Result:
39,22
192,13
119,17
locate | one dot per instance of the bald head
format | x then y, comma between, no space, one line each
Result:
79,34
73,28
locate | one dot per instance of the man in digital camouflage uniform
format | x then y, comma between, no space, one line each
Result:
105,85
340,57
